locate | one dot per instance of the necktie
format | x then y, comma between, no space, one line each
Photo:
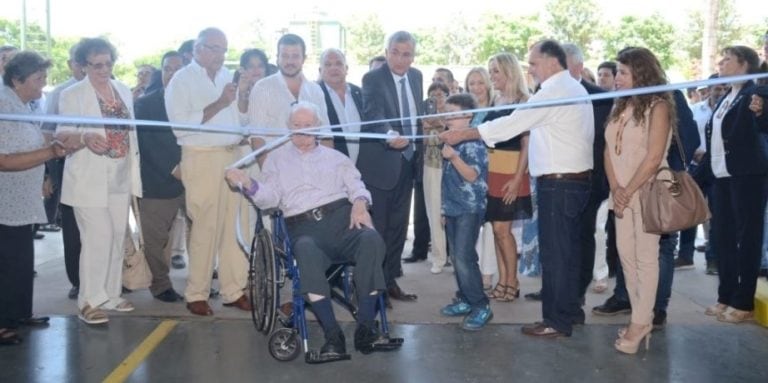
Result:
406,114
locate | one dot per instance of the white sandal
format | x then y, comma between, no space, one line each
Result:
91,315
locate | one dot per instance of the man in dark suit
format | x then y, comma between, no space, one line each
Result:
392,92
163,193
599,190
343,100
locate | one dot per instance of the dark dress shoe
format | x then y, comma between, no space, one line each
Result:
242,303
659,319
611,307
214,293
368,339
334,349
396,293
38,236
9,337
169,296
414,259
533,296
199,308
73,292
177,261
34,321
541,330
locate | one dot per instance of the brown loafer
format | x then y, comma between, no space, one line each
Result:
200,308
242,303
541,330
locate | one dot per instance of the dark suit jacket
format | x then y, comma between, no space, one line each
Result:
158,148
689,133
601,109
340,143
745,146
379,163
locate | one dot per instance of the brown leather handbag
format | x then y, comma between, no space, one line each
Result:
674,204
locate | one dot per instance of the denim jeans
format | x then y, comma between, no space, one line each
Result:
462,232
688,236
561,206
764,262
667,244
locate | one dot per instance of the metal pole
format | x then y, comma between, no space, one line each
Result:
48,27
23,24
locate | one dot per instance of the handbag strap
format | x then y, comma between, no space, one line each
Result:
137,216
680,149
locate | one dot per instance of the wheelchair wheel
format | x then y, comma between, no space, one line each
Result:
262,280
284,344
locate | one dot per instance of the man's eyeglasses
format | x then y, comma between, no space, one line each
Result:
100,66
215,48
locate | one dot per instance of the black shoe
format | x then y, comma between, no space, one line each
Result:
34,321
38,236
368,340
214,293
711,268
334,349
169,296
127,290
536,296
177,262
659,319
414,259
611,307
682,264
73,292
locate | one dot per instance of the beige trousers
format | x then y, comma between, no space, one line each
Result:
212,207
432,200
639,255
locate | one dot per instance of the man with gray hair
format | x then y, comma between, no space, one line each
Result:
203,93
343,100
325,204
393,92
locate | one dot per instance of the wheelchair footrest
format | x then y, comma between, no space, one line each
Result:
315,357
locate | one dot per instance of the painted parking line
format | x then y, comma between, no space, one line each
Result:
142,351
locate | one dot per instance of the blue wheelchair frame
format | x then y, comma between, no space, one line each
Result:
283,342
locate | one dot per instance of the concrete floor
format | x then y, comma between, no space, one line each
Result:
226,348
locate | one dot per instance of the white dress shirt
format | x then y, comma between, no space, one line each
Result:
187,95
562,136
719,167
348,114
701,113
411,103
270,102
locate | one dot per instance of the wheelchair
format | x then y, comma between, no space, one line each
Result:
271,267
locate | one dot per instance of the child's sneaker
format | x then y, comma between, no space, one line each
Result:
455,309
477,319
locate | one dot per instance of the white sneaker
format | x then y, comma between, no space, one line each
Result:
436,269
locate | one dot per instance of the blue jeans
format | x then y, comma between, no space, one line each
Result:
462,232
764,262
667,244
688,236
561,204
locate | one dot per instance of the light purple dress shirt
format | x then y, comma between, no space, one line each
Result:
297,182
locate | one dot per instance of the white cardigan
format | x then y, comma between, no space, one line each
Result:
85,173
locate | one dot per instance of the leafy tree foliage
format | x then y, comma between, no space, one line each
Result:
366,39
651,32
574,21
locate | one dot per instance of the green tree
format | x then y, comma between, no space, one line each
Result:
574,21
366,39
651,32
730,29
452,43
506,34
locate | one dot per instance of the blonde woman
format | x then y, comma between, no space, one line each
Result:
509,191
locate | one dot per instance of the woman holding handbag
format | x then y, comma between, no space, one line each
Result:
637,138
737,155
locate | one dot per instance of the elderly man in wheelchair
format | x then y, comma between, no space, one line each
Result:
325,205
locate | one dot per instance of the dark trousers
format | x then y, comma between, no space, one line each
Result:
390,212
611,251
561,205
667,245
596,197
737,237
317,245
157,216
420,223
17,263
688,236
70,235
55,169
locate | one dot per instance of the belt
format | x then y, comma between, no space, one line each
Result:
567,176
318,213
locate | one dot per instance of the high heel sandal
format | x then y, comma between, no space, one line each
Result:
510,294
628,346
497,291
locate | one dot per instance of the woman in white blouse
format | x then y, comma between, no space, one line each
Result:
99,180
23,153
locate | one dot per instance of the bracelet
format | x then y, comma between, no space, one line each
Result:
252,189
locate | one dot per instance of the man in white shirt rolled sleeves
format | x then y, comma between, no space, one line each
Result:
560,157
203,93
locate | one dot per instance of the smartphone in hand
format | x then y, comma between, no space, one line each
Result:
236,77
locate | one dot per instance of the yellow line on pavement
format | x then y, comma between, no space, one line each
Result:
132,361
